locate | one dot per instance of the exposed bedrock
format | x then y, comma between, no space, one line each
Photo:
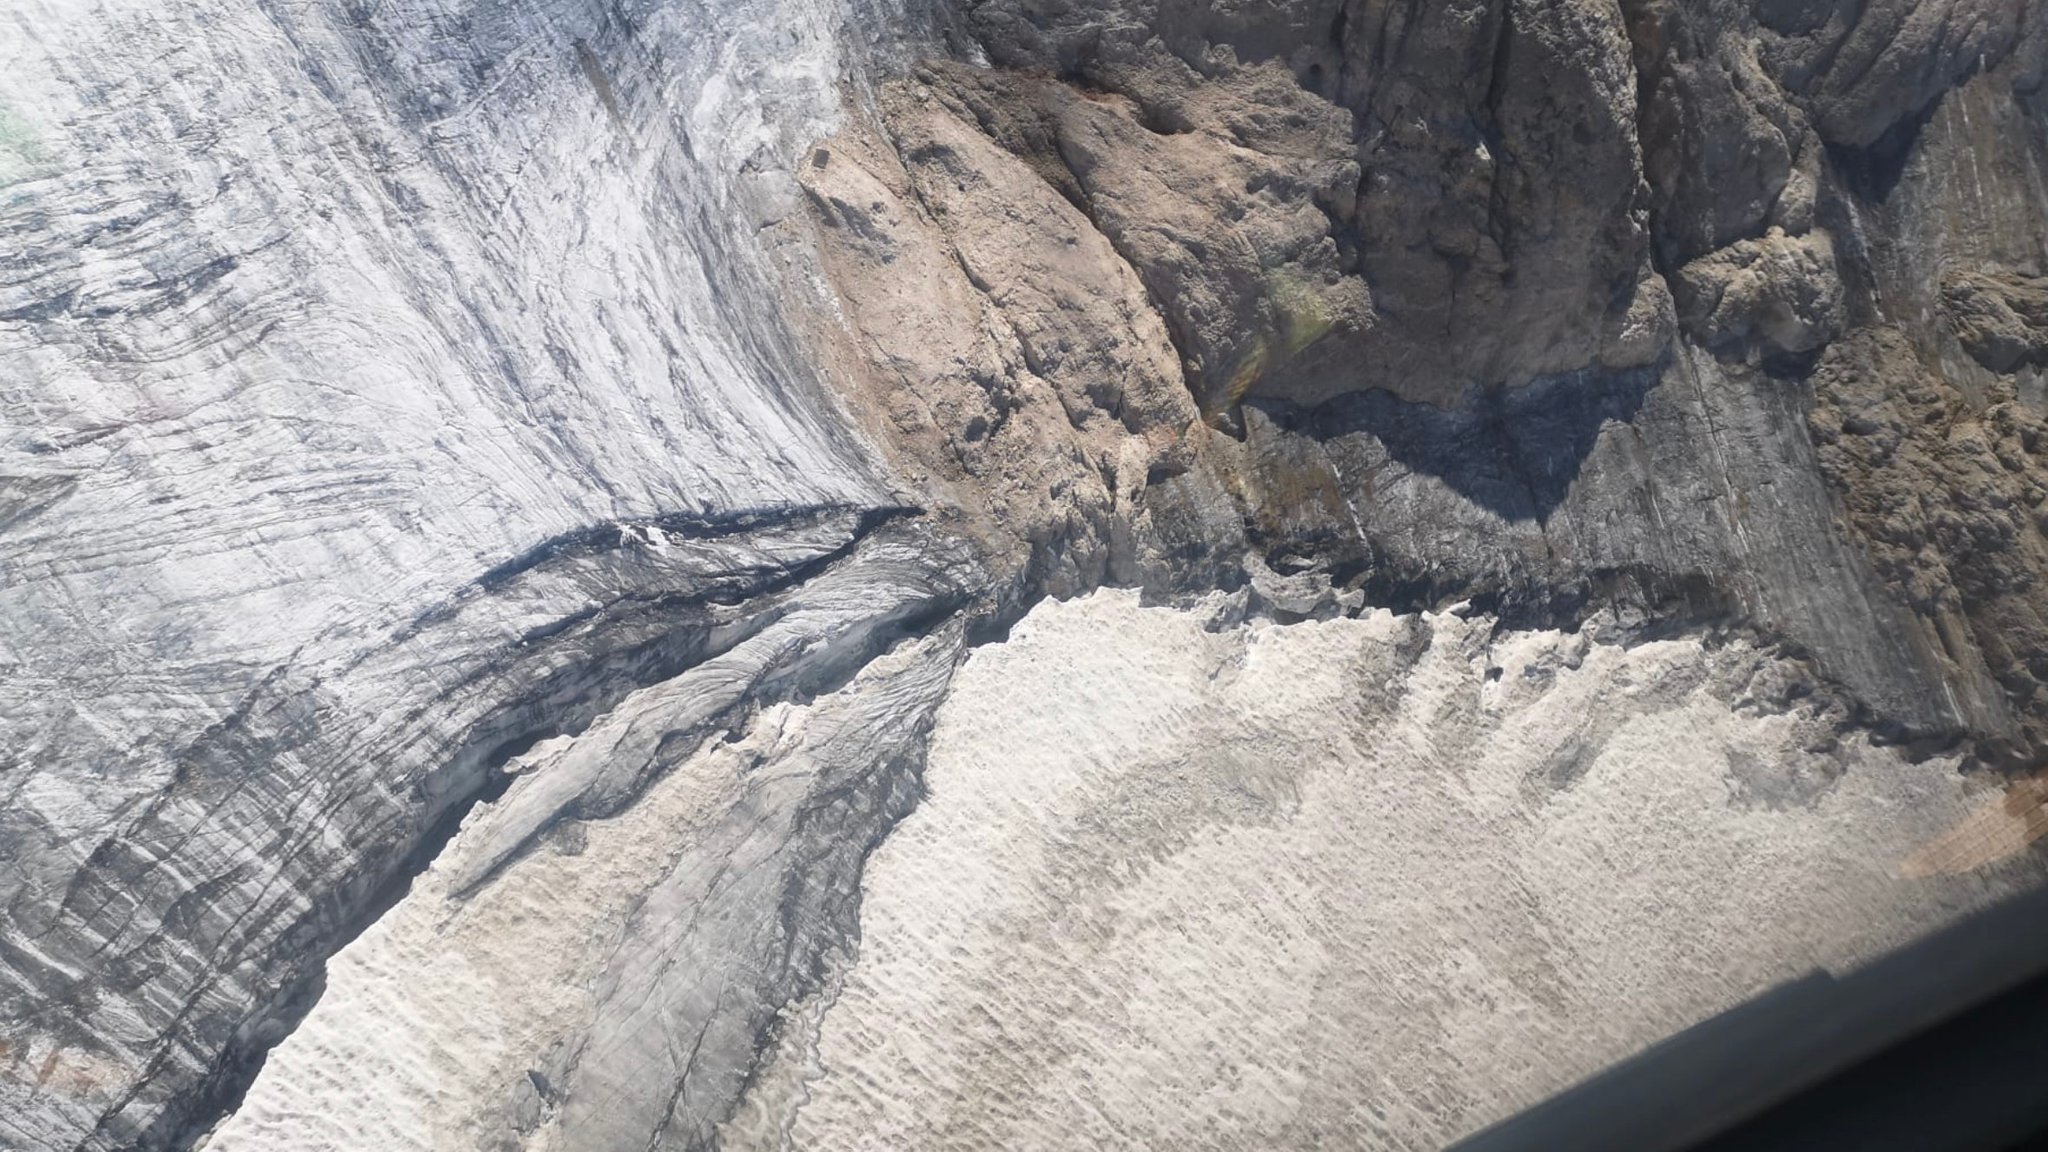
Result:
1529,302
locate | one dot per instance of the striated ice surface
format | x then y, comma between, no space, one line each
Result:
382,387
604,991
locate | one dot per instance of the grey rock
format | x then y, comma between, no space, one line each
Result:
1725,150
1865,68
815,634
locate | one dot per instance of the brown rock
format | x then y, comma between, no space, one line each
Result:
1775,295
1945,498
1001,350
1999,317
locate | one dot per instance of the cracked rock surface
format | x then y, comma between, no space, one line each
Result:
1523,301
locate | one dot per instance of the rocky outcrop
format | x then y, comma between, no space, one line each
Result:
1011,362
1521,300
1862,70
2000,318
1948,499
1417,200
1772,296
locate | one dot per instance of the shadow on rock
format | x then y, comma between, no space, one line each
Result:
1513,451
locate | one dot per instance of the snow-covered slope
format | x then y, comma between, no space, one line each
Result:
1366,883
1362,883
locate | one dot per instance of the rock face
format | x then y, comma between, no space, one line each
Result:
1446,197
1524,301
601,427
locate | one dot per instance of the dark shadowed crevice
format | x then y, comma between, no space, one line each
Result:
1872,171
